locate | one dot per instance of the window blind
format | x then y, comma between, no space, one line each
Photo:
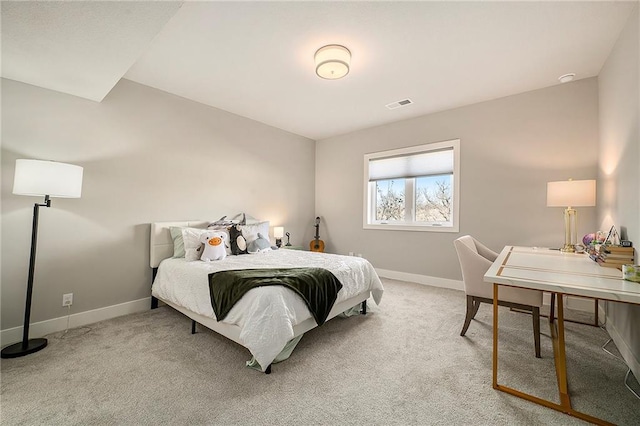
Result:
429,163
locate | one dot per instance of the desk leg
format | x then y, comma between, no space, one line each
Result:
559,354
495,336
595,323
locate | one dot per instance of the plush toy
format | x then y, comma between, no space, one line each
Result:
223,222
259,245
238,243
214,248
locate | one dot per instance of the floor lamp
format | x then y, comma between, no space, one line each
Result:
48,179
570,194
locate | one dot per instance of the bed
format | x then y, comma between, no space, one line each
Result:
266,320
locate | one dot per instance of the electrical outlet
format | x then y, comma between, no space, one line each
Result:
350,253
67,299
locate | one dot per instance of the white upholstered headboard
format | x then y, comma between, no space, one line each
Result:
160,242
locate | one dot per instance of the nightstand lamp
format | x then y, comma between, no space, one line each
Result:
570,194
47,179
278,233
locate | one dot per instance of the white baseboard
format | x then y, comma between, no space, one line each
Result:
42,328
577,303
421,279
624,349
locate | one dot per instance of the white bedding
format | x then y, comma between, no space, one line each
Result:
265,315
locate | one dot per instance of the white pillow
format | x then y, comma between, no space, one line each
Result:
250,231
192,244
178,240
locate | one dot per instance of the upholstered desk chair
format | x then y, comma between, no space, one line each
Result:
475,259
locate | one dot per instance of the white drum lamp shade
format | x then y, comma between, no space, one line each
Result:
39,178
571,193
278,231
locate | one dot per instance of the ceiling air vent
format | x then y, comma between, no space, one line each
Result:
398,104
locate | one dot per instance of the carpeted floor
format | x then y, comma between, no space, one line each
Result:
403,363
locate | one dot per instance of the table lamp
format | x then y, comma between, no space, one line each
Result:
570,194
48,179
278,233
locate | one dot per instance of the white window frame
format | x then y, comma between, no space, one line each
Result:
369,192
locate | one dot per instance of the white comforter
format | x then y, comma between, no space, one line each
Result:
265,315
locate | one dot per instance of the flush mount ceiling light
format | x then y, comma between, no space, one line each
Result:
566,78
332,61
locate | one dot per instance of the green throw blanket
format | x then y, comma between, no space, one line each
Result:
318,287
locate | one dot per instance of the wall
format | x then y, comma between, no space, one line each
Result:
510,148
619,174
147,156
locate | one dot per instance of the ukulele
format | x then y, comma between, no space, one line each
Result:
317,244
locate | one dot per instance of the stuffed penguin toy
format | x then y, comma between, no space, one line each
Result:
214,245
238,243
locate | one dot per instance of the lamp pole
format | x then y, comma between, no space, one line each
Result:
27,346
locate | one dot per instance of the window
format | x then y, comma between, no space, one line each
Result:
415,188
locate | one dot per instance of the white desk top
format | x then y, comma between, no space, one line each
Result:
551,270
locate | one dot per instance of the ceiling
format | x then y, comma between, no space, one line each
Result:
255,59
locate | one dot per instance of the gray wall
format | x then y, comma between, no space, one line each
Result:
147,156
510,148
619,176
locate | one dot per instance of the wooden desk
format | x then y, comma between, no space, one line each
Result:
560,274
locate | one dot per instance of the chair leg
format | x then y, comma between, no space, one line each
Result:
476,305
536,329
472,308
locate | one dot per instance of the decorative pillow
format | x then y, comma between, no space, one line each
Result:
223,221
250,232
180,244
192,244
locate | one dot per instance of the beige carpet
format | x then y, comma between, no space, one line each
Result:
403,363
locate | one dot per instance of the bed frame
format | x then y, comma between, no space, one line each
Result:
161,247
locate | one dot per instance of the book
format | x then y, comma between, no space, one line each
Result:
616,253
595,257
617,249
616,256
611,261
618,261
610,265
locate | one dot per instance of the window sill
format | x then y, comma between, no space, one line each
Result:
418,228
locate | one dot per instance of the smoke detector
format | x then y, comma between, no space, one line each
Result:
567,77
398,104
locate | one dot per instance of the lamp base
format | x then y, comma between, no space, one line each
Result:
568,248
16,350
